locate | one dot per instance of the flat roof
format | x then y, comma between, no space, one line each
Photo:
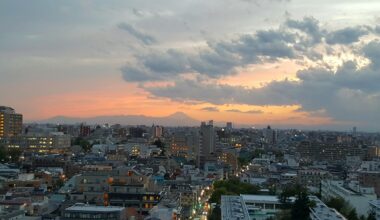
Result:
94,208
375,203
262,198
233,208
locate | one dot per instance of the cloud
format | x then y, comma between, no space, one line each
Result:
210,109
372,52
137,12
133,74
348,94
347,35
309,26
216,60
247,112
377,29
169,62
295,39
143,37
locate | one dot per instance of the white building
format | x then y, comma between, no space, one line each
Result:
261,207
375,207
83,211
322,212
234,208
358,197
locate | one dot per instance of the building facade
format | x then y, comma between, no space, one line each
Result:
10,122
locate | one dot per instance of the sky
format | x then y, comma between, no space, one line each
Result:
295,63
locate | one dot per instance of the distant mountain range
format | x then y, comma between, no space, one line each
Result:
176,119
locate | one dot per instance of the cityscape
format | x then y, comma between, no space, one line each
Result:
200,110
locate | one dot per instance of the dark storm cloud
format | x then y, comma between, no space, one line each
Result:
347,35
143,37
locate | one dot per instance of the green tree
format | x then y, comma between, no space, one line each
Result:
217,194
14,154
215,214
243,161
3,153
86,146
352,215
336,203
160,145
59,183
291,191
283,215
300,209
231,187
9,154
371,215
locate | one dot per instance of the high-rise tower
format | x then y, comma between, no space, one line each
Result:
10,122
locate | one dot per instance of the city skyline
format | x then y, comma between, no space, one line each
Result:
281,62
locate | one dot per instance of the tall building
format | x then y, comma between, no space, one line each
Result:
206,142
86,211
84,130
330,152
229,126
270,135
157,131
10,122
354,131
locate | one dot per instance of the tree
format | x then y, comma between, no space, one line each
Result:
9,154
343,207
371,215
336,203
3,153
59,183
352,215
86,146
14,154
243,161
283,215
160,145
215,214
300,209
289,191
217,194
231,187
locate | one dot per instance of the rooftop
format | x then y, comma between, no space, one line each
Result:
322,212
93,208
261,198
234,208
375,203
